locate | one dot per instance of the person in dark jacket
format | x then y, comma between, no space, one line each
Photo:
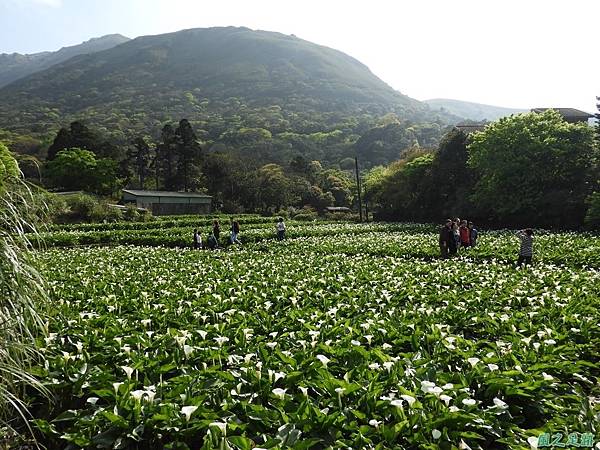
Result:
235,231
454,242
445,238
473,233
216,230
211,242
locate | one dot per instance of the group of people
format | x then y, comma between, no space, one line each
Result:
213,239
213,242
457,234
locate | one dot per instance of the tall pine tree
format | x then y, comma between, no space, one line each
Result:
166,158
139,156
189,154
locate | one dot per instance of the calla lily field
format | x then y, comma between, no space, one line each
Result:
349,336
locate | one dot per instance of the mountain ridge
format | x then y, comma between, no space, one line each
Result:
14,66
182,73
472,110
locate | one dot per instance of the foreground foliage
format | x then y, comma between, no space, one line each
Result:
22,294
332,341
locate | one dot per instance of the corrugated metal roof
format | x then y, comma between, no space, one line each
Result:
140,193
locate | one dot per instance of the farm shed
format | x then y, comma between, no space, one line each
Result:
163,203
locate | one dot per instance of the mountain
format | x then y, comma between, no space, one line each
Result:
472,111
216,77
15,65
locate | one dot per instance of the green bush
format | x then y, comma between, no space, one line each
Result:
131,214
304,216
57,207
104,213
82,207
345,217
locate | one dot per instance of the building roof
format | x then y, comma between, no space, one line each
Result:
140,193
567,113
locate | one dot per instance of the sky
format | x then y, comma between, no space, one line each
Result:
512,53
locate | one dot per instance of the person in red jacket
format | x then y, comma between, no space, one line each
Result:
465,234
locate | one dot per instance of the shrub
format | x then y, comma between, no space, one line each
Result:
81,207
344,216
57,207
131,214
305,216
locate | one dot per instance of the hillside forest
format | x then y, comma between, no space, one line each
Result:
527,169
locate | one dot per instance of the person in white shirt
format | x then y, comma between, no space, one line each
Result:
280,229
197,240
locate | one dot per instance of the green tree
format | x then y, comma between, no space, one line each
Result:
372,184
75,169
229,180
383,144
80,136
450,194
534,169
166,158
405,187
339,184
140,157
318,199
274,187
189,155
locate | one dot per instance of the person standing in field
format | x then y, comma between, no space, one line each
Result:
465,235
473,233
445,237
212,242
526,250
197,240
216,231
235,231
454,242
280,229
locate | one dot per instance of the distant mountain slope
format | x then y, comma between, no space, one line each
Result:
210,76
15,65
472,111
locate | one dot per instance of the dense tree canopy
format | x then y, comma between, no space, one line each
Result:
534,168
81,136
528,169
79,169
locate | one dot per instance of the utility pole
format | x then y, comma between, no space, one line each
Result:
358,188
